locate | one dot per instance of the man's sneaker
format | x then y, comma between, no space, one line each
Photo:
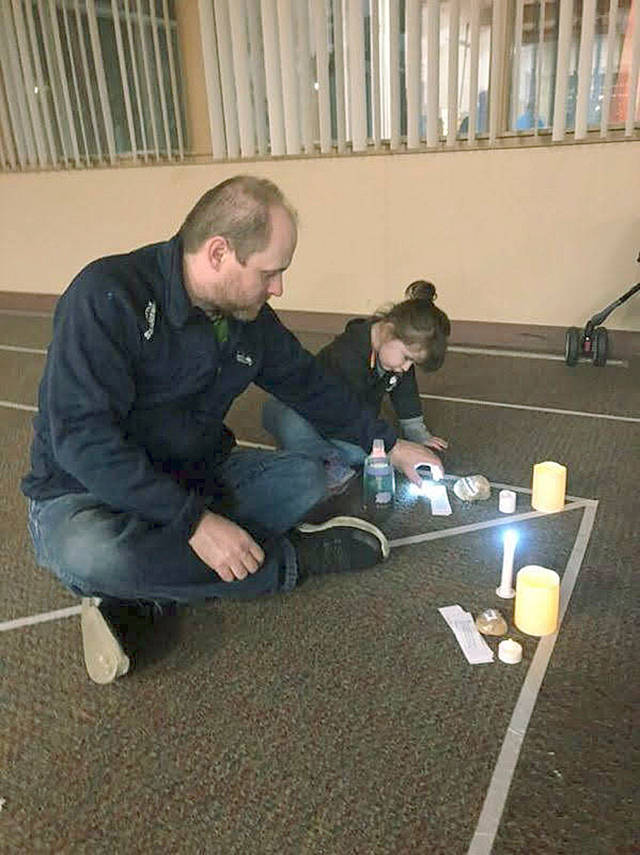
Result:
338,545
103,654
111,626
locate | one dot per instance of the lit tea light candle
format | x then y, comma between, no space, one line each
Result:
537,600
549,485
506,579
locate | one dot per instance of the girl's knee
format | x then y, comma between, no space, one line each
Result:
311,480
270,413
302,479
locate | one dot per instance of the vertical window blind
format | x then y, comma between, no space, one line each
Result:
86,83
91,82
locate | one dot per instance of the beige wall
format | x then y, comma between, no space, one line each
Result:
539,235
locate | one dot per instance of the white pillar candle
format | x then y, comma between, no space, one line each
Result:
506,579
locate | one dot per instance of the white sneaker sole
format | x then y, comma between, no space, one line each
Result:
349,522
104,657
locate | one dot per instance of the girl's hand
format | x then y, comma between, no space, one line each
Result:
407,456
437,443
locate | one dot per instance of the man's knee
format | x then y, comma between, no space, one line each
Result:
88,559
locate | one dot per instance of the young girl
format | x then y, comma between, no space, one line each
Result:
374,356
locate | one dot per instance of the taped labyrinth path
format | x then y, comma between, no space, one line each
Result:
504,770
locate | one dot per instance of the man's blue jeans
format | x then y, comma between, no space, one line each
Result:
292,432
96,551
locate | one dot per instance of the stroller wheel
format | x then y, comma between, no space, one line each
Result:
572,345
600,346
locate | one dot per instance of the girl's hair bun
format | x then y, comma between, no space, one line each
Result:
419,323
421,290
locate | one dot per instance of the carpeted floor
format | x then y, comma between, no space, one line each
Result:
343,718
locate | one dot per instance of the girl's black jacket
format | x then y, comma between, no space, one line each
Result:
348,357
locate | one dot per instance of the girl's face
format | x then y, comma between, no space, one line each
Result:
394,354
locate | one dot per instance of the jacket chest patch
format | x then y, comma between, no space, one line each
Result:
244,358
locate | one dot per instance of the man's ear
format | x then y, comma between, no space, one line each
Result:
387,331
217,249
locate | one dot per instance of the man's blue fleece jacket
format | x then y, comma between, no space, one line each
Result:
136,387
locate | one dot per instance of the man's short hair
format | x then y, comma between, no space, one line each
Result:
237,209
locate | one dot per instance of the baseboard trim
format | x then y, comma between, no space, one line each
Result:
532,338
14,301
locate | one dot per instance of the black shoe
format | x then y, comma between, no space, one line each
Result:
112,628
338,545
104,654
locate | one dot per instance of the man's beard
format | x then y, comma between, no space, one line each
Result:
226,305
245,314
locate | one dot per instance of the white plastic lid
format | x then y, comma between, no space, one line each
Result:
378,448
509,651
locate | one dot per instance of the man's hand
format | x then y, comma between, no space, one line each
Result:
437,443
225,547
405,456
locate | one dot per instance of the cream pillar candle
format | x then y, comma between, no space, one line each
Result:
537,600
549,485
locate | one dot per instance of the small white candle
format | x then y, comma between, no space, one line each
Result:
506,580
506,501
509,651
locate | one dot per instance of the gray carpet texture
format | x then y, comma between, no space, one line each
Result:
343,718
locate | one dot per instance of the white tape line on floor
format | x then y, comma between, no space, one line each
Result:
553,410
43,617
505,519
495,800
